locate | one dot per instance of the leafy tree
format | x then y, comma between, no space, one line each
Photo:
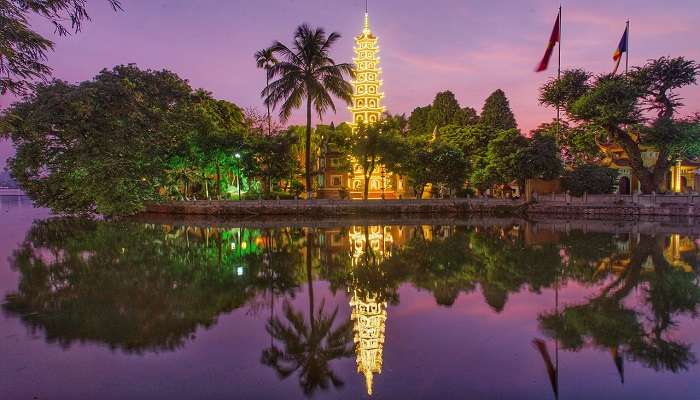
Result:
217,136
467,117
496,113
367,150
447,168
104,145
398,123
444,110
633,110
22,50
541,158
271,158
504,161
265,59
306,72
418,121
473,140
337,140
577,145
589,178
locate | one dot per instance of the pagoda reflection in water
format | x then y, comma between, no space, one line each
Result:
369,245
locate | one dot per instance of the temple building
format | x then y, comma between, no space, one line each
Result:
366,108
682,177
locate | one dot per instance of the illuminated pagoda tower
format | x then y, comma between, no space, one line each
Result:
366,108
367,96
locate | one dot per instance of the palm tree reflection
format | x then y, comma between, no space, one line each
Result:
308,347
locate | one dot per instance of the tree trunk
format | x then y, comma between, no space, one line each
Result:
307,156
309,274
218,182
649,180
269,119
368,175
365,189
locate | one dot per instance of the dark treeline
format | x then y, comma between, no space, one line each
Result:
128,136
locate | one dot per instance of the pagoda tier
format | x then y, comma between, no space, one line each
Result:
367,96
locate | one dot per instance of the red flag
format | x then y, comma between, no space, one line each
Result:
553,40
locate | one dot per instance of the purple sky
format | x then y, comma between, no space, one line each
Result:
471,47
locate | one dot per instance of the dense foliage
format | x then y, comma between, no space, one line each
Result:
589,178
634,110
496,113
128,136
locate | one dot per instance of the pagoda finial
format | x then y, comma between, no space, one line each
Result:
368,381
365,29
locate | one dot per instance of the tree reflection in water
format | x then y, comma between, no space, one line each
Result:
148,288
640,332
121,284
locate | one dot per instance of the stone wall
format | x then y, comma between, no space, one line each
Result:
337,207
618,206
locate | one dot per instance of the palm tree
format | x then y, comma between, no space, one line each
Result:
307,72
265,59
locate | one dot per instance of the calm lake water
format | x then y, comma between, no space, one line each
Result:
413,309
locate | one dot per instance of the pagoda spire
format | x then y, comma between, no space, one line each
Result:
365,28
367,96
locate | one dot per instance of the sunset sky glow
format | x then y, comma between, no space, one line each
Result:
471,47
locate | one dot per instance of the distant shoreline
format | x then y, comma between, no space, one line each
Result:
607,206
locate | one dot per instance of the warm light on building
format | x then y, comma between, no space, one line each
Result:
368,313
369,317
367,96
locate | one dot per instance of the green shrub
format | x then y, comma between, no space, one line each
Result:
589,178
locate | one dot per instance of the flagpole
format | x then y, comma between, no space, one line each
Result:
627,53
559,72
556,287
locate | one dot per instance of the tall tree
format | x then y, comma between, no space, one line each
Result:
444,110
265,59
496,113
635,111
418,120
306,72
22,50
466,117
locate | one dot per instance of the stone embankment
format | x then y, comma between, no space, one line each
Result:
599,206
616,206
321,208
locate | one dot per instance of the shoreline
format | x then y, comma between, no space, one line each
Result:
613,207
